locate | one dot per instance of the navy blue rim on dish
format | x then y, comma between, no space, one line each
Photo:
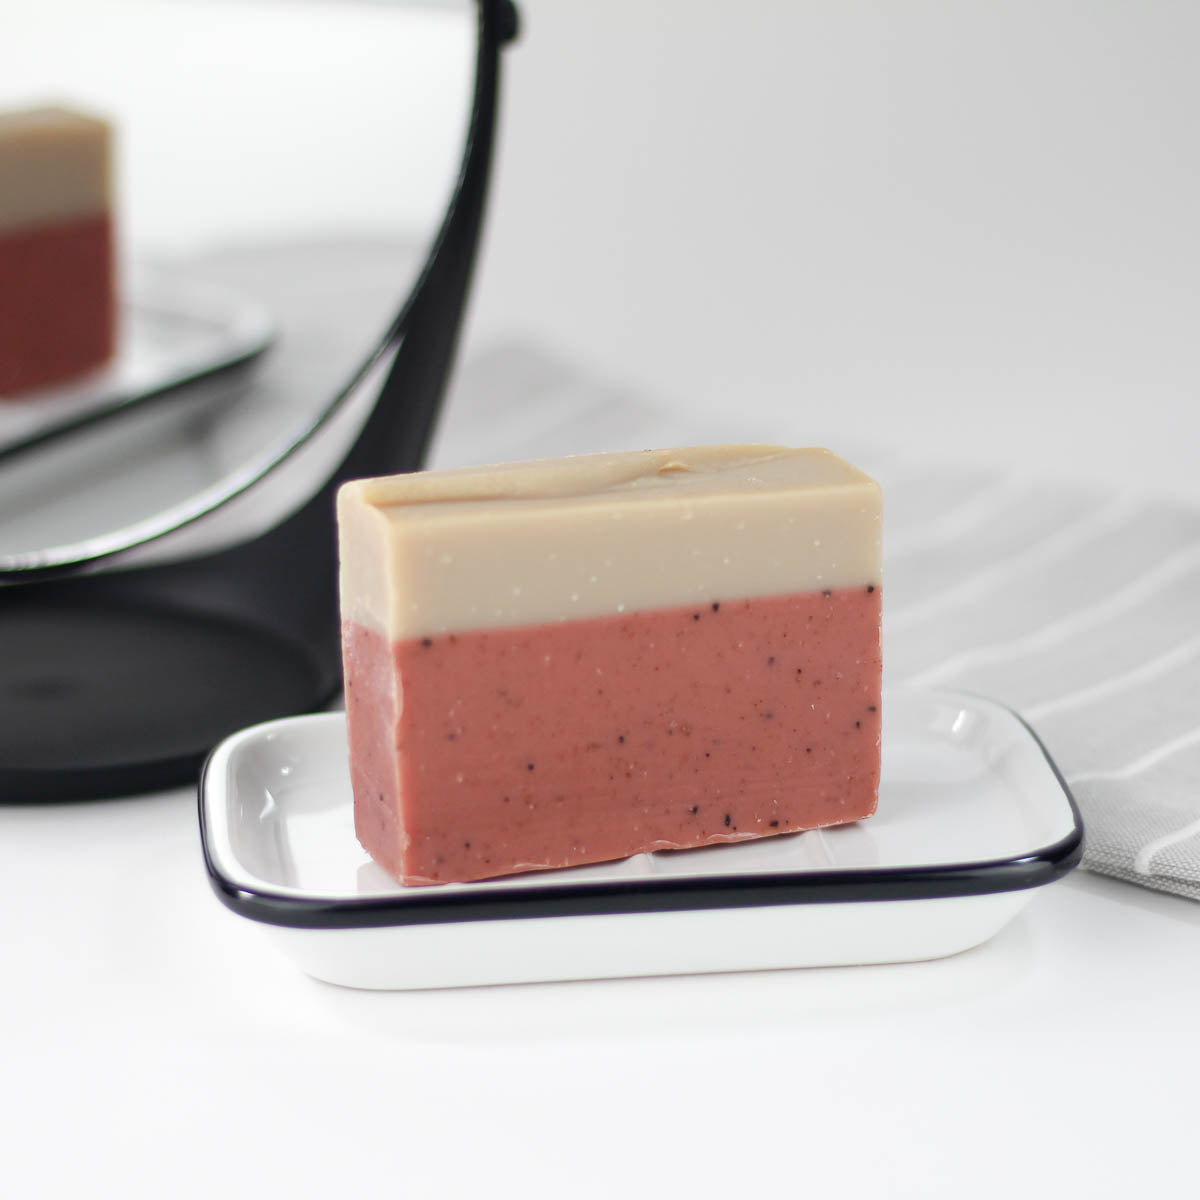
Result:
434,907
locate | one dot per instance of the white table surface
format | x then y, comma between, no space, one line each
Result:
968,232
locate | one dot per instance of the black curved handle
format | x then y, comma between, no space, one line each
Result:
397,435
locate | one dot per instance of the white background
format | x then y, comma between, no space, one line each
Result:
971,226
962,229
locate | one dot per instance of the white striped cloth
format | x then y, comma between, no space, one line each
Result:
1078,609
1082,612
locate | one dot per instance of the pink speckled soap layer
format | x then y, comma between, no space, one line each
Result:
481,754
57,302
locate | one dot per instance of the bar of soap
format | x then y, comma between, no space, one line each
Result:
575,660
57,276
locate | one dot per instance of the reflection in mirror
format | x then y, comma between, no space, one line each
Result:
151,458
158,639
281,222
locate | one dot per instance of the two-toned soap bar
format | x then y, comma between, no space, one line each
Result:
570,661
57,275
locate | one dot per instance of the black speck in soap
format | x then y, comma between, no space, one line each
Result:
807,749
716,606
621,738
427,641
694,809
529,766
870,588
771,661
695,616
857,724
466,845
727,818
826,592
774,824
870,708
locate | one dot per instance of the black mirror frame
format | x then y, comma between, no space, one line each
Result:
277,590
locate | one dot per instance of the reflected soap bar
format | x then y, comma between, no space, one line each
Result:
569,661
57,276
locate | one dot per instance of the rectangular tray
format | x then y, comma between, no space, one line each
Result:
973,817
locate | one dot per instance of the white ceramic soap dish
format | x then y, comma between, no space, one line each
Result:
973,818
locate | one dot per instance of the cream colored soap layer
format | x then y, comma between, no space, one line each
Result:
54,166
598,535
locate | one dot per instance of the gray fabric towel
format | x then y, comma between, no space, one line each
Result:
1082,612
1079,609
